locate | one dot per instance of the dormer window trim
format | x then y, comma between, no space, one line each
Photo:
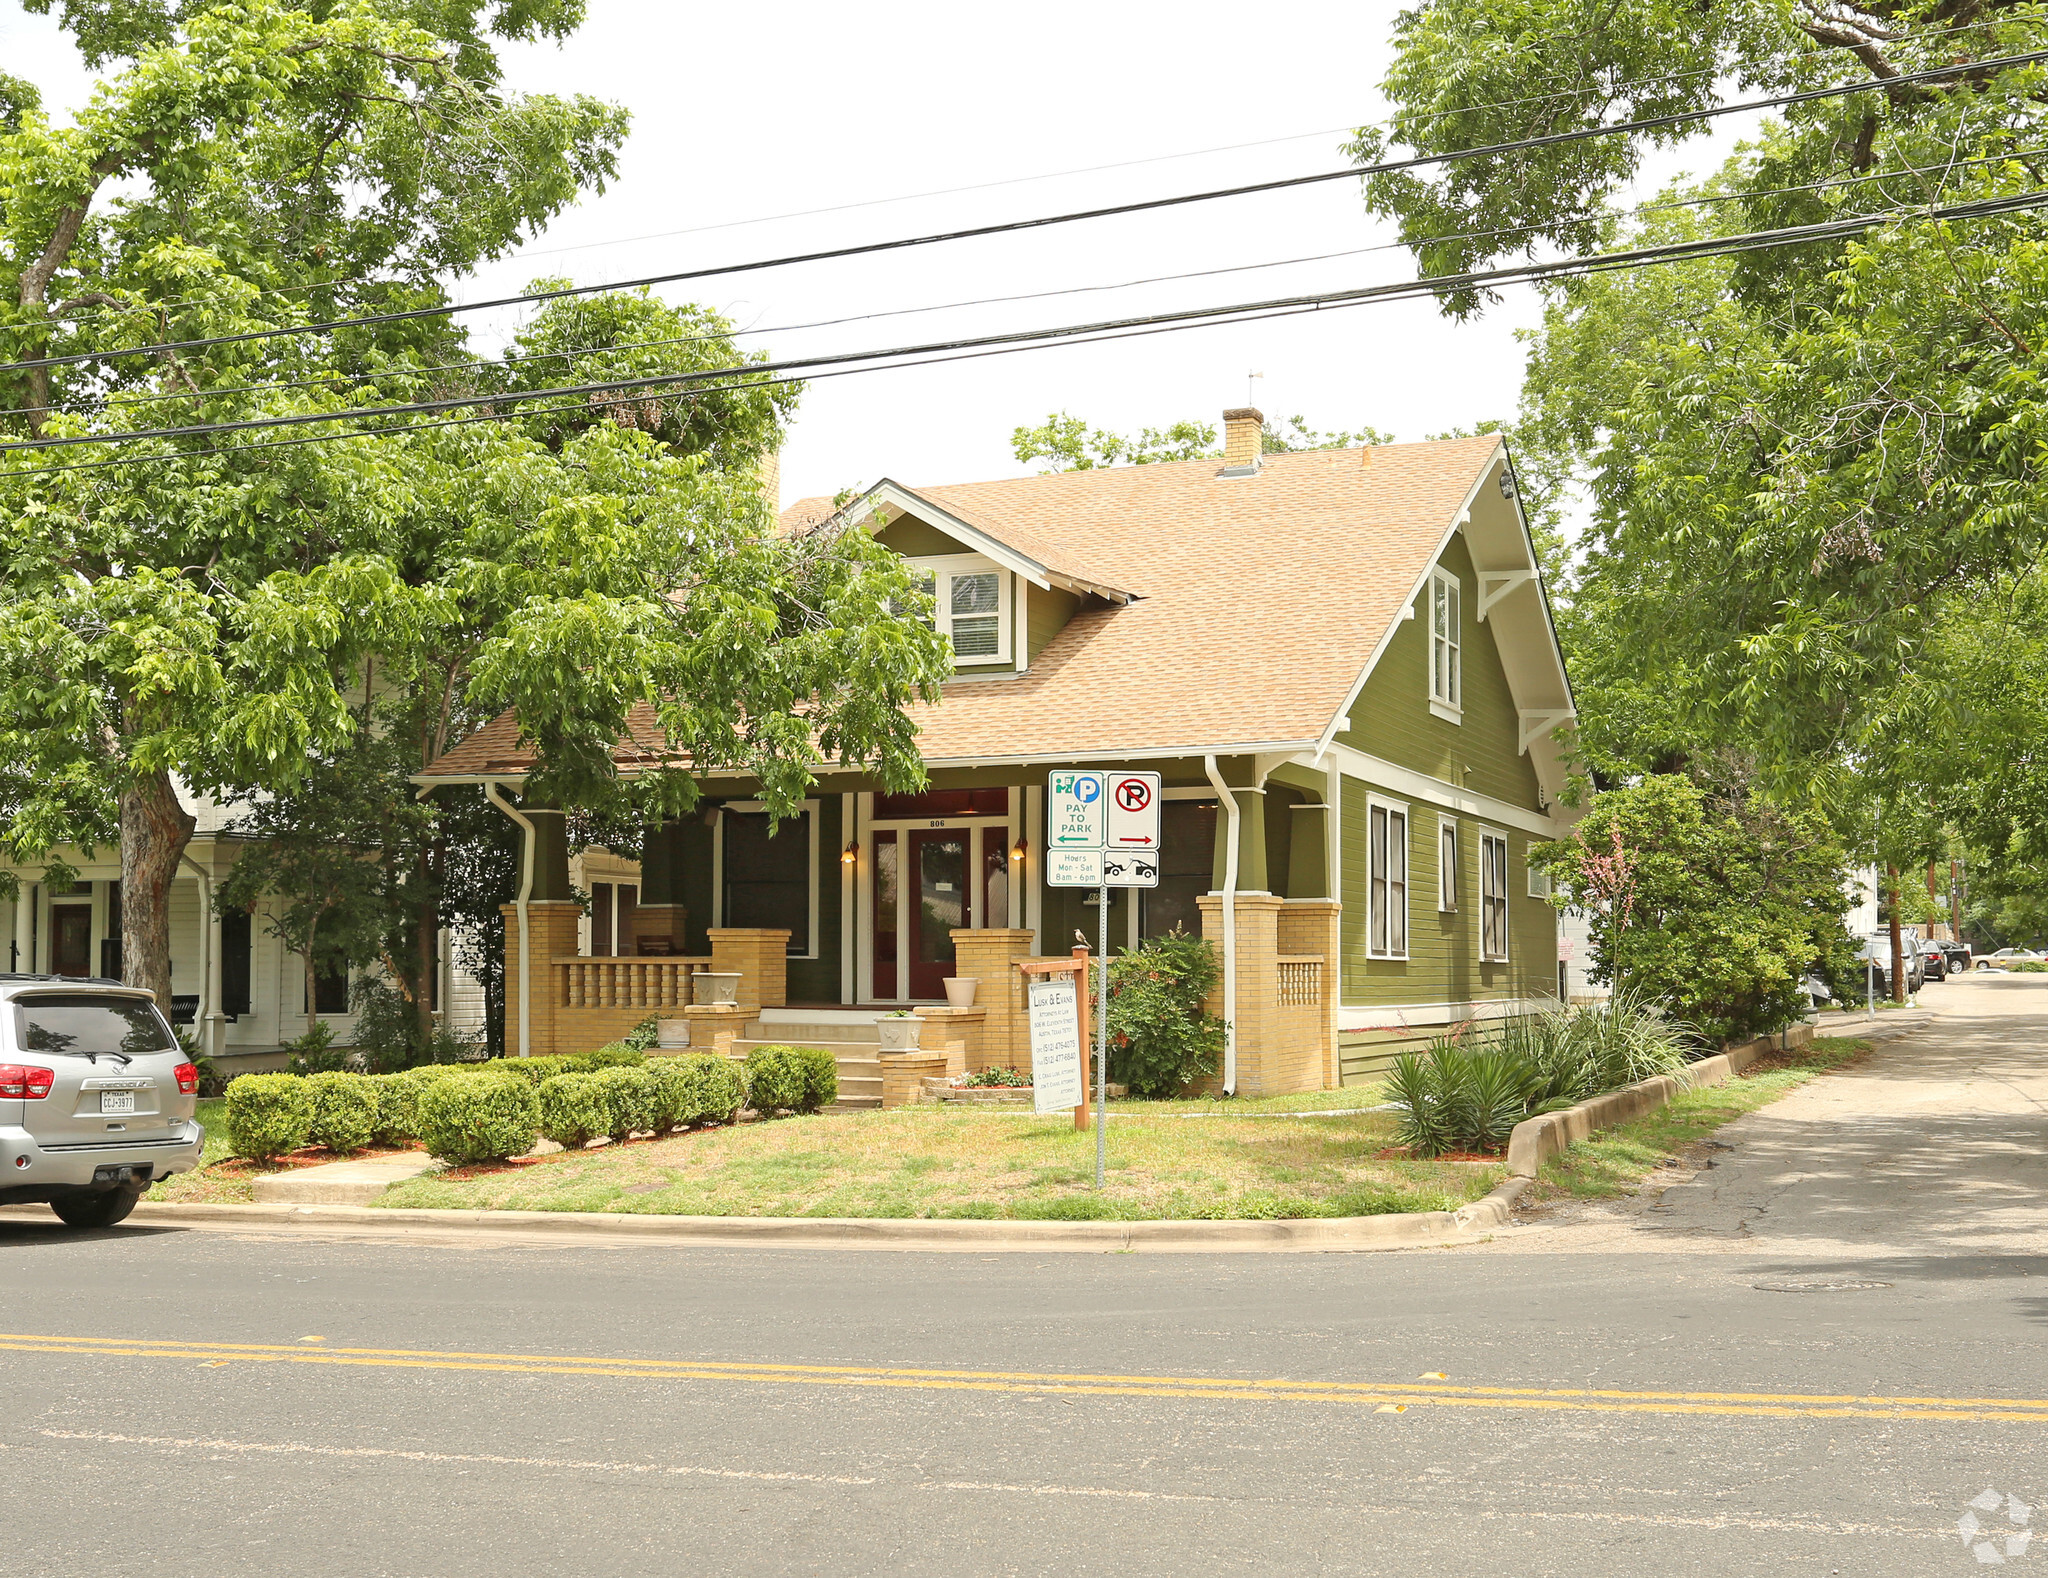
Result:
961,599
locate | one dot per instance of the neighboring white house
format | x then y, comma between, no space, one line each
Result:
233,983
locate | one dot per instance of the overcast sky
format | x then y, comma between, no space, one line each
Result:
744,112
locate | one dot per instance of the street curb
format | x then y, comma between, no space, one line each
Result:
1532,1142
1413,1230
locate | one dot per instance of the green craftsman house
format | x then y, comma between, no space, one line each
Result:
1342,663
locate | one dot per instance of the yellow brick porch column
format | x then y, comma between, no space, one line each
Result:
1258,983
1310,926
555,924
991,956
761,956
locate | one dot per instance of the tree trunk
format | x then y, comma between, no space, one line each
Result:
312,978
155,829
1898,945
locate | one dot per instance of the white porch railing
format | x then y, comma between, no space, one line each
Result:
650,983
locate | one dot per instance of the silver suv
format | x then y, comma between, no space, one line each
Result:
96,1097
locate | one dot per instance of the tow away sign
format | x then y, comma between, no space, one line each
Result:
1102,830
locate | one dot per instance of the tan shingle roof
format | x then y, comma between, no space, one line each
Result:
1260,600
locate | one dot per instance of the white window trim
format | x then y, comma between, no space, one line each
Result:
1487,836
942,568
809,813
1539,881
1447,876
1374,802
1450,707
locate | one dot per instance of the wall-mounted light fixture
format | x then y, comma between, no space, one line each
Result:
850,854
1017,849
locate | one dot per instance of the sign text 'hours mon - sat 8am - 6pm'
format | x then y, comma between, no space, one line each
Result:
1102,829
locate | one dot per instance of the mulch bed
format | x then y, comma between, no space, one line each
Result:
311,1156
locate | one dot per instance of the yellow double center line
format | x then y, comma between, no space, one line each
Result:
1376,1394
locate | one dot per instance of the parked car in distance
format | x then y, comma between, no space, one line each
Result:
2005,956
96,1097
1934,960
1874,957
1958,956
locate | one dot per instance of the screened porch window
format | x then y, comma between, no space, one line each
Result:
1187,863
768,879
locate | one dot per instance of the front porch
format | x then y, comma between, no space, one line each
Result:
866,903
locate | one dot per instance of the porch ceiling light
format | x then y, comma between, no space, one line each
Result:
850,854
1017,849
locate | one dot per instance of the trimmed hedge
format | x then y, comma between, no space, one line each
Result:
717,1088
574,1109
617,1055
821,1077
398,1108
344,1116
267,1115
536,1071
478,1117
776,1080
630,1094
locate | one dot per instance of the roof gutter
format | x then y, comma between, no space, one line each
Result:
494,794
1230,813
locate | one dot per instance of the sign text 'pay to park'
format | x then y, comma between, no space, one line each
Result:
1102,830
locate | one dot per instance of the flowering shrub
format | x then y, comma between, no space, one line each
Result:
1162,1038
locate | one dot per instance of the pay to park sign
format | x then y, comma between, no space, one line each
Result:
1102,830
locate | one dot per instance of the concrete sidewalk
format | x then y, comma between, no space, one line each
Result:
1935,1146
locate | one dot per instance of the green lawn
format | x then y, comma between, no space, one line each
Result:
1616,1160
1352,1098
922,1162
198,1185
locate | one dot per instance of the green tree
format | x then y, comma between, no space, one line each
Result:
1798,460
1067,443
1715,906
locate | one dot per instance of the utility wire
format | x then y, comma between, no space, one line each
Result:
1388,123
758,374
125,401
1550,140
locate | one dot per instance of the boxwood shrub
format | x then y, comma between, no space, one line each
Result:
617,1055
776,1080
675,1093
398,1108
574,1109
716,1086
344,1116
267,1115
630,1094
478,1117
534,1070
821,1077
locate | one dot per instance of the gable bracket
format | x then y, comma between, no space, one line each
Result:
1537,722
1496,584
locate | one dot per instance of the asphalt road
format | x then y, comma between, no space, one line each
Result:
1650,1388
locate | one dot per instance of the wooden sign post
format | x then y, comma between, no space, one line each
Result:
1078,968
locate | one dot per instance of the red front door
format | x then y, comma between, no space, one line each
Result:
941,895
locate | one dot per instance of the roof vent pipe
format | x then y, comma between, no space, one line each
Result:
1230,814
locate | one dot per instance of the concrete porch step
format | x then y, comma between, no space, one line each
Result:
809,1033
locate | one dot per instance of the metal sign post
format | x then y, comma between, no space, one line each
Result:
1101,832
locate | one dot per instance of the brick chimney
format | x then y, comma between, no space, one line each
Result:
769,472
1241,434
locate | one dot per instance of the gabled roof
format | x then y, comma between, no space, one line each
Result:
1224,613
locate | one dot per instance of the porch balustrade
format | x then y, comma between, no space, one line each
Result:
1300,980
650,983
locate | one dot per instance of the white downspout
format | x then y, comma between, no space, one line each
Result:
492,794
1230,813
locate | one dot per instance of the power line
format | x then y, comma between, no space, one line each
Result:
759,374
1552,139
1386,123
126,401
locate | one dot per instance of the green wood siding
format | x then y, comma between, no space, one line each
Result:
915,539
1443,963
1046,612
1391,718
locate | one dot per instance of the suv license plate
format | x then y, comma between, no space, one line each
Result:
117,1101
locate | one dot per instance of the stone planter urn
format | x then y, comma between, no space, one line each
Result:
899,1035
960,991
715,986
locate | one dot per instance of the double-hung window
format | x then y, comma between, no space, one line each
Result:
1493,896
970,605
1446,864
1387,923
1446,644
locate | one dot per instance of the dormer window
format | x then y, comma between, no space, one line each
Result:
970,605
